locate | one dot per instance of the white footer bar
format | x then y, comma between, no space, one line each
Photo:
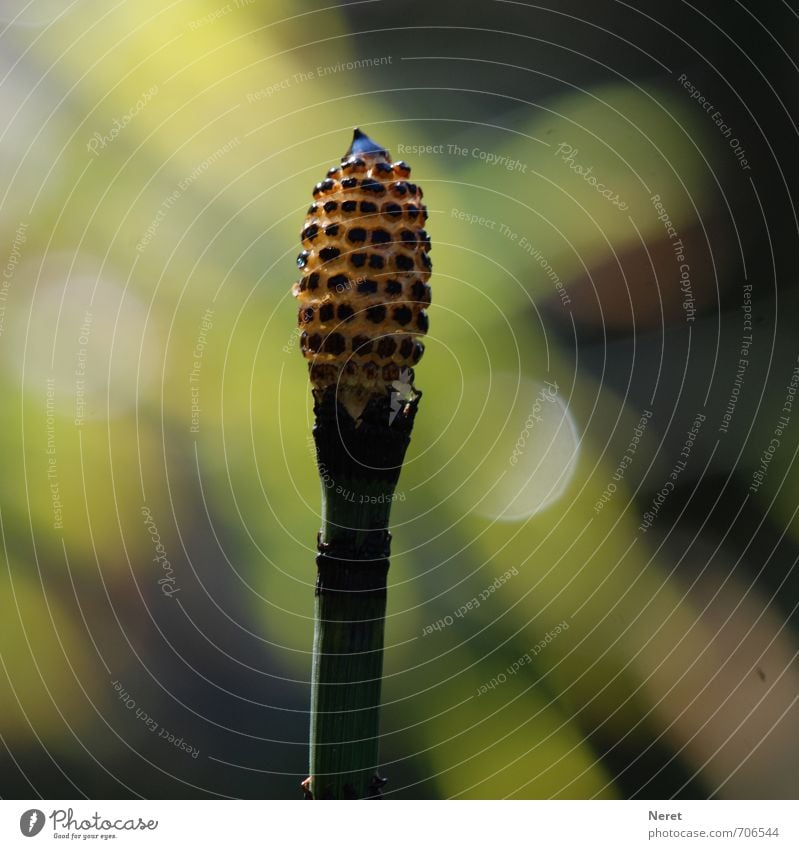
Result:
388,824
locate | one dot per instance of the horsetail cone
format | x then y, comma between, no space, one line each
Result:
365,267
362,302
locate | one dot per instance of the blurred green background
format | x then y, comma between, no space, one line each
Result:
160,501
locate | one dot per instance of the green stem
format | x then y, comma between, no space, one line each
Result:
359,466
348,651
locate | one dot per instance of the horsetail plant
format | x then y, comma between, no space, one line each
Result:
362,298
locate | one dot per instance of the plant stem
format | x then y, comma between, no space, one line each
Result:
359,465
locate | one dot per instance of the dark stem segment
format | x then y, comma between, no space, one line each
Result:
359,465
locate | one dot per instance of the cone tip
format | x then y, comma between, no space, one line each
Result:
362,144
